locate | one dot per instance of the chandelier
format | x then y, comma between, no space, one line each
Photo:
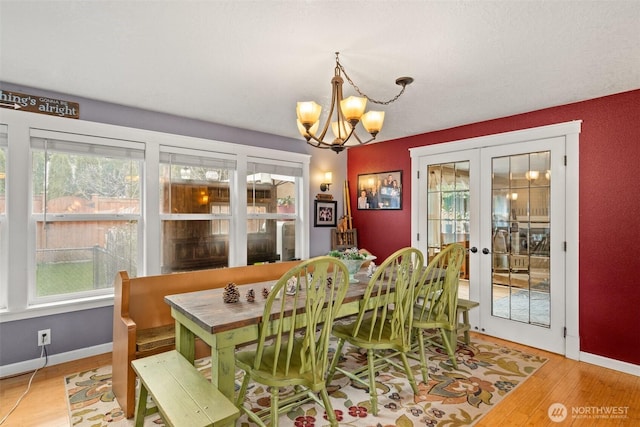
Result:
348,113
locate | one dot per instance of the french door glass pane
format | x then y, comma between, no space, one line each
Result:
448,207
521,187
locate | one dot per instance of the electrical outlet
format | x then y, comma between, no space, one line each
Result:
44,337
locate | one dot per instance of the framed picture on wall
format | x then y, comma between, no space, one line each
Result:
380,190
325,213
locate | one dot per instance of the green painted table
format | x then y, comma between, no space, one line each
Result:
224,326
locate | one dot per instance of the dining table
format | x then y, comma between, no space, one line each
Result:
226,326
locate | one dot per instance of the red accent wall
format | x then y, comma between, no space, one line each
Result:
609,285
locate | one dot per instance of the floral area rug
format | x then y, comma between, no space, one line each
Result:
452,397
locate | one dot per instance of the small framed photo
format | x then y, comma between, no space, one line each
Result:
380,190
325,213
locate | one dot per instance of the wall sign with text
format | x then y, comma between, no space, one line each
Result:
39,104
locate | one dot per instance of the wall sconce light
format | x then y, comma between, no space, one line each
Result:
328,179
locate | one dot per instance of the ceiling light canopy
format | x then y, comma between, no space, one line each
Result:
348,113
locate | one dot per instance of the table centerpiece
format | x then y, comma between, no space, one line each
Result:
353,259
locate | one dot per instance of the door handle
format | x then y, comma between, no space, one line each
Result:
473,249
486,251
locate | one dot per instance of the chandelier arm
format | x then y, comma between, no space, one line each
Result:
320,138
353,132
368,140
319,141
361,141
375,101
320,144
336,84
357,138
336,98
323,133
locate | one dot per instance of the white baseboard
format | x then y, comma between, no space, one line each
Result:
605,362
54,359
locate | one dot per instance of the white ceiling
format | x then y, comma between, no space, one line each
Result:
246,63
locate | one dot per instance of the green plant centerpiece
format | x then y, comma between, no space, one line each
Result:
353,259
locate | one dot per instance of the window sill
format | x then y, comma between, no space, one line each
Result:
48,309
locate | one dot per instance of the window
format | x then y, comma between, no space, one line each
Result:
272,187
86,204
86,200
195,208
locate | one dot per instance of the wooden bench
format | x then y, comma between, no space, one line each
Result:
142,322
463,307
181,394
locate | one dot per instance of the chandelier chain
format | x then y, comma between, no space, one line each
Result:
365,95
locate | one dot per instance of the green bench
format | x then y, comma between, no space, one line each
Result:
463,307
182,395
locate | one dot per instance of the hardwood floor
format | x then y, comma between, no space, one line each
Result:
46,404
577,385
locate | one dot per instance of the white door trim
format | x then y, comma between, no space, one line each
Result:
570,131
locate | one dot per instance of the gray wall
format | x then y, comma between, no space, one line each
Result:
82,329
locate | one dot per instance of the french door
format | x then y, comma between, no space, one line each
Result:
506,204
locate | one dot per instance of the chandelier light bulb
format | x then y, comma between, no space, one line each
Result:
308,113
353,108
372,121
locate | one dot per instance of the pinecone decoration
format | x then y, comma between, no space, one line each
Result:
231,293
251,295
265,292
329,282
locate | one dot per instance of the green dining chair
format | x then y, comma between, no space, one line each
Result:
293,343
435,312
383,325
